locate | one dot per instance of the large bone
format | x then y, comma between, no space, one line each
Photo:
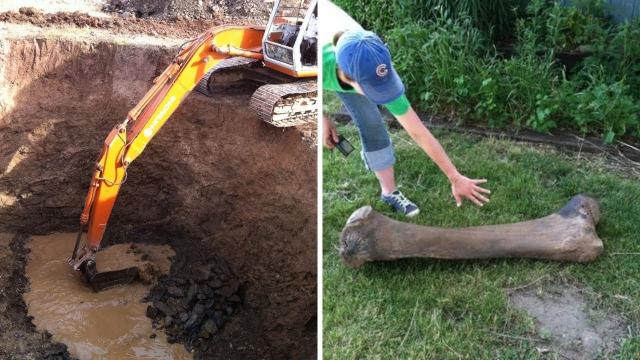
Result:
569,234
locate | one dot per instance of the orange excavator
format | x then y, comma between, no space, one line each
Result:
280,59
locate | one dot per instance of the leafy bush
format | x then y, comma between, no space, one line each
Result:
605,107
457,75
450,67
496,18
529,84
561,28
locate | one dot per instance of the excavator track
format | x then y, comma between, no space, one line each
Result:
225,66
288,104
282,105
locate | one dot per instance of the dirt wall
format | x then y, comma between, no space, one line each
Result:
215,179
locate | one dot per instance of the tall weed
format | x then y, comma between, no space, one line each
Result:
495,18
605,107
437,59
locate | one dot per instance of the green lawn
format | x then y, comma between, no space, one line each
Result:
438,309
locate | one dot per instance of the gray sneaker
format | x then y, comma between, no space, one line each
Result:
401,204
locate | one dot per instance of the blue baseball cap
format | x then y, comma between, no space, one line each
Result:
363,57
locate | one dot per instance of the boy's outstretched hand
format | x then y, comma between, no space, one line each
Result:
463,187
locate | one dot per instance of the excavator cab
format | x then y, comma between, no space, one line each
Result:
291,37
284,78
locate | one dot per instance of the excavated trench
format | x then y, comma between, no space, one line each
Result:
234,197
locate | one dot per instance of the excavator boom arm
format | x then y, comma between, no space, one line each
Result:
122,147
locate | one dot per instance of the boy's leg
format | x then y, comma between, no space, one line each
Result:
387,180
377,150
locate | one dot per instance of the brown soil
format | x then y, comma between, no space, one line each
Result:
191,9
176,27
216,183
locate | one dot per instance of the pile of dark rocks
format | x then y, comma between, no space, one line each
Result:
194,301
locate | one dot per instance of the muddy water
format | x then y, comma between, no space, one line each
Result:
107,325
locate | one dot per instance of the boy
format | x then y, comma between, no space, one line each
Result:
357,66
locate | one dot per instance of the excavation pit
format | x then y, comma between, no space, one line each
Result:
234,197
108,324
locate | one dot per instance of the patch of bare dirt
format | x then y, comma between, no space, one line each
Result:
572,328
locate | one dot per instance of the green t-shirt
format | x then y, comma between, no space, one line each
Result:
330,81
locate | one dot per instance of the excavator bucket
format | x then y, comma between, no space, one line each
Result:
99,281
107,279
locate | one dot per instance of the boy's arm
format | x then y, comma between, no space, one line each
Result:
461,186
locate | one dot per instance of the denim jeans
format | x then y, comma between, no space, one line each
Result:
377,149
